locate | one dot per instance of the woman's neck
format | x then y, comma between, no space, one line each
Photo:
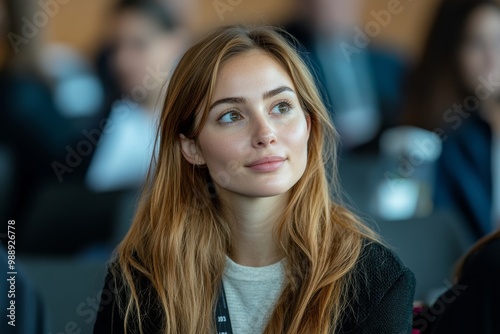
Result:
252,222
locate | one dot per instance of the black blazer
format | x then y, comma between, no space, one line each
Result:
464,175
383,304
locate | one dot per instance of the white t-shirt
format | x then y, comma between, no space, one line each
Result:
251,294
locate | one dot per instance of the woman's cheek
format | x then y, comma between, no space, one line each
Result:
298,134
224,155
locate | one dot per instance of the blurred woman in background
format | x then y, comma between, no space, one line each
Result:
147,42
237,221
455,91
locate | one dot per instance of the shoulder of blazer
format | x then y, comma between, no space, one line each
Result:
377,272
151,317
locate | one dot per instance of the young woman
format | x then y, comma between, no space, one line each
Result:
237,228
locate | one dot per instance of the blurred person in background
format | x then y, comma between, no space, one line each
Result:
40,117
455,92
363,82
146,43
185,11
471,304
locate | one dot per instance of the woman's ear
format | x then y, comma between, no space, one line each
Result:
190,151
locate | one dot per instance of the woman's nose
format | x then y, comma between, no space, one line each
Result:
264,133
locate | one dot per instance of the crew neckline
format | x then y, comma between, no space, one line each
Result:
246,273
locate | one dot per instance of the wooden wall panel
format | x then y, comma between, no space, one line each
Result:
406,30
83,23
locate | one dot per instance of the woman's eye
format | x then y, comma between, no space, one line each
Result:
230,117
282,108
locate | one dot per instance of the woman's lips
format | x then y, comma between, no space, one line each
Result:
267,164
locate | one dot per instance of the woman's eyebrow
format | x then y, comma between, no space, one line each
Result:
241,100
233,100
276,91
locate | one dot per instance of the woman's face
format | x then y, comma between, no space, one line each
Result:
254,141
143,53
480,54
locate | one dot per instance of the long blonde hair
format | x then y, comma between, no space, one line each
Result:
179,238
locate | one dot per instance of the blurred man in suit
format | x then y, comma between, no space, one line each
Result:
362,83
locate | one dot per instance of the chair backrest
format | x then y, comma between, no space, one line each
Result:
430,247
66,218
70,289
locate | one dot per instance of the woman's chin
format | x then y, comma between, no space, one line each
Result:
261,192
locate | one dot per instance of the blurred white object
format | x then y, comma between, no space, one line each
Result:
398,199
79,96
77,91
408,154
411,141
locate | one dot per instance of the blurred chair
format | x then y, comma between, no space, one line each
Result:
70,290
68,218
430,247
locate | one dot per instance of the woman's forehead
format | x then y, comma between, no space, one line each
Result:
250,75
